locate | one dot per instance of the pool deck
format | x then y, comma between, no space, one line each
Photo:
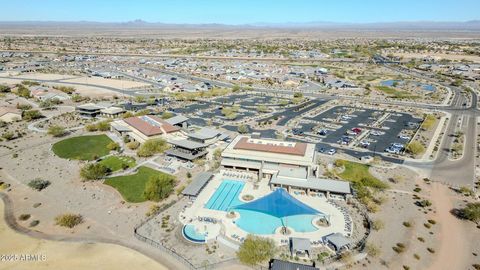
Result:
228,227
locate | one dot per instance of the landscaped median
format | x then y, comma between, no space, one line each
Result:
136,187
83,147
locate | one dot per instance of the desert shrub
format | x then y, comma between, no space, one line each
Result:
470,212
377,225
38,184
24,217
56,131
68,220
399,248
34,223
31,115
407,224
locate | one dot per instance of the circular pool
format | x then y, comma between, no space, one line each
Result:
191,234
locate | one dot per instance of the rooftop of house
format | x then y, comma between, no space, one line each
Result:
150,125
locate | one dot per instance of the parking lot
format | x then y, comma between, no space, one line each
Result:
371,129
293,112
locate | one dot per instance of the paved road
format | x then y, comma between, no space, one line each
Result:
459,172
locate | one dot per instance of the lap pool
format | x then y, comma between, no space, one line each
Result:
226,195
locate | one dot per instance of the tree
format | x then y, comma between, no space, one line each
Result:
140,99
256,250
23,91
428,122
167,115
127,115
235,88
158,187
103,125
471,212
298,95
93,171
31,115
242,129
113,146
66,89
152,147
415,147
263,109
91,127
133,145
56,131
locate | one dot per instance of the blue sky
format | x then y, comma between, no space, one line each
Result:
240,11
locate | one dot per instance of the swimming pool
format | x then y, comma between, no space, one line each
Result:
260,223
226,195
191,234
426,87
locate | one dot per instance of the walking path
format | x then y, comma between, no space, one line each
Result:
454,249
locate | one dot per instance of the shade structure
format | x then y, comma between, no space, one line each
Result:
279,204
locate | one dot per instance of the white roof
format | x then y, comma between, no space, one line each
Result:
330,185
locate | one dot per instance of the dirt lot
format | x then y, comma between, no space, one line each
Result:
122,84
62,255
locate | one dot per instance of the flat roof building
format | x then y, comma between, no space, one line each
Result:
186,149
281,163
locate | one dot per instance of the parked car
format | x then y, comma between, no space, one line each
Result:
377,133
364,144
331,152
322,132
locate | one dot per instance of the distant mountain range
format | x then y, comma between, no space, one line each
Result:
413,25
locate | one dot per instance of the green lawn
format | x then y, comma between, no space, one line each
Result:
132,186
83,147
115,163
358,173
394,93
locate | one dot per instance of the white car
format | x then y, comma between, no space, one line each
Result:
377,133
404,137
331,152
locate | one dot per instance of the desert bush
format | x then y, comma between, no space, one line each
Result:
24,217
38,184
68,220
